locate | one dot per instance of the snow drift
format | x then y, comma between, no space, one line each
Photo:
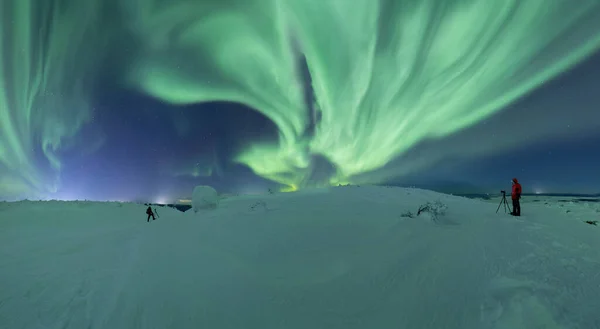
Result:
348,257
204,197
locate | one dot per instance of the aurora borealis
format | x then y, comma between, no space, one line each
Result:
376,89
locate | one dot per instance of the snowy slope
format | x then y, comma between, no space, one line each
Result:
330,258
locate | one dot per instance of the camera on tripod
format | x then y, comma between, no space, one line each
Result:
504,202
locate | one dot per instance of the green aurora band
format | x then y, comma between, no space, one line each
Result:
386,74
47,51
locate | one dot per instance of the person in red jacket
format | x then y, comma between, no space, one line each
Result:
515,196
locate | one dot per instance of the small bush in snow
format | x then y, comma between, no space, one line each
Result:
408,214
435,209
259,205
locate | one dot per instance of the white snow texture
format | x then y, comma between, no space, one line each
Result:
337,258
204,197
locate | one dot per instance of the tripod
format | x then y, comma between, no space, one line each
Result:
503,201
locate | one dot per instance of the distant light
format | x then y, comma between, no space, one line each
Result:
161,200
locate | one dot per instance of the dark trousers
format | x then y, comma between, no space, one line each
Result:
516,207
152,217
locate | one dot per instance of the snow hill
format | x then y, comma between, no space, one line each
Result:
345,257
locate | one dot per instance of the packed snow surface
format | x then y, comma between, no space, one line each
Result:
346,257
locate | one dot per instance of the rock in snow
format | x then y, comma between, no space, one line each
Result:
204,197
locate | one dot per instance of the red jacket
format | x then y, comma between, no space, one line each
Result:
516,190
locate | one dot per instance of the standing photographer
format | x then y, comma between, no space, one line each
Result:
515,196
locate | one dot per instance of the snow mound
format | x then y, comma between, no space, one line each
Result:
204,197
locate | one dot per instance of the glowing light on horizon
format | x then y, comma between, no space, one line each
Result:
162,200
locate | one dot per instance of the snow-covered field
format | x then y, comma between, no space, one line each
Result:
343,257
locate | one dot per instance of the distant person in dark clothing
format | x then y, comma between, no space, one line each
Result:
150,213
515,196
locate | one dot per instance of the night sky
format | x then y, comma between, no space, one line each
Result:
143,105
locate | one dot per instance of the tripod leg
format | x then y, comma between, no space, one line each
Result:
508,206
500,205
